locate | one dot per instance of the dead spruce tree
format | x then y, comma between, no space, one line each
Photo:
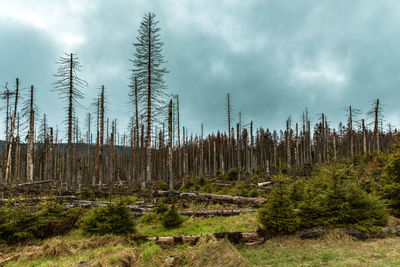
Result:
68,85
149,71
8,164
28,111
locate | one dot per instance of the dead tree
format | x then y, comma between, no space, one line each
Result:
68,85
148,69
8,165
170,178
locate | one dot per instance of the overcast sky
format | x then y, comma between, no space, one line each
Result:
275,57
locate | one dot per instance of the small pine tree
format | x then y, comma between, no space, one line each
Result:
112,219
278,214
172,218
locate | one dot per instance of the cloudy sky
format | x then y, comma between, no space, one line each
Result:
275,57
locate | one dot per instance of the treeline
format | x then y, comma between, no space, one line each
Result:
156,146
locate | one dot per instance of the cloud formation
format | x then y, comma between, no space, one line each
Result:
275,57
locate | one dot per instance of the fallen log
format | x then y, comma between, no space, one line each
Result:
244,201
35,200
264,184
167,240
233,237
200,213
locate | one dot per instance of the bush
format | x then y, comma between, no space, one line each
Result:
278,214
331,197
150,218
232,174
161,206
86,194
111,219
18,224
171,218
390,184
334,198
243,189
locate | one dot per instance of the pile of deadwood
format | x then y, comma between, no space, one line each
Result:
247,238
140,207
211,198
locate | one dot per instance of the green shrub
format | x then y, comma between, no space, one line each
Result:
171,218
18,224
111,219
232,174
245,190
278,214
86,194
390,183
334,198
150,218
161,185
57,220
160,207
331,197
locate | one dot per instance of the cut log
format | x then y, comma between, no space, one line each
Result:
167,240
243,201
264,184
233,237
200,213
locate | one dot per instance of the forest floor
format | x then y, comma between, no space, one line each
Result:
74,249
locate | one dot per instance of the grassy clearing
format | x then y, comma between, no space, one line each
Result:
202,226
342,251
335,249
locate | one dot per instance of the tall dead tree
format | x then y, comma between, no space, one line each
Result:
288,139
148,69
376,125
170,178
8,165
68,85
28,111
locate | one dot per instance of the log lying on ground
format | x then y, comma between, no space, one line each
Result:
233,237
36,200
265,184
199,213
168,240
244,201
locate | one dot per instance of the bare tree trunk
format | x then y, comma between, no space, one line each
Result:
101,145
179,139
8,166
97,167
288,139
364,138
201,151
334,146
351,132
170,178
214,159
376,128
238,151
251,148
31,135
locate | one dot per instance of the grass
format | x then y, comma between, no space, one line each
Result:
335,249
202,226
291,251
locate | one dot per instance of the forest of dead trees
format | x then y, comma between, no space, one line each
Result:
156,146
107,155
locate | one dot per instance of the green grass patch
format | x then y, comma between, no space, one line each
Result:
202,226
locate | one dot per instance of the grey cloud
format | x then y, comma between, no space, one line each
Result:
274,57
